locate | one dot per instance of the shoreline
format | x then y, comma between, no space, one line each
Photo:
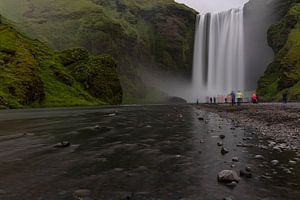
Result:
278,123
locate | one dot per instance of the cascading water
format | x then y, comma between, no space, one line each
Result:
219,54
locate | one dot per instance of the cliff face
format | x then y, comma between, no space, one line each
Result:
34,75
157,34
283,74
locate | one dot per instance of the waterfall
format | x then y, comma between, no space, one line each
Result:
218,54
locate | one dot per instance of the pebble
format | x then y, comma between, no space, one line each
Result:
220,144
292,162
222,136
248,169
224,151
259,157
62,144
233,184
235,159
274,162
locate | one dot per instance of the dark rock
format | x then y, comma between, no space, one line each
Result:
228,176
235,159
220,144
224,151
62,144
200,118
248,169
245,174
222,136
233,184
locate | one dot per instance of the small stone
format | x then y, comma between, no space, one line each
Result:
266,177
112,114
62,144
292,162
259,157
222,136
235,159
274,162
220,144
29,134
200,118
248,169
201,141
224,151
233,184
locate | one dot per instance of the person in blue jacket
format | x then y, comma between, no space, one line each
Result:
232,98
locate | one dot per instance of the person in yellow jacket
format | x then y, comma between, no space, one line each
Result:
239,96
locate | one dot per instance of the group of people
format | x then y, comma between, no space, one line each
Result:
233,98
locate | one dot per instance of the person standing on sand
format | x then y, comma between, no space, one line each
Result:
239,96
254,98
232,94
285,97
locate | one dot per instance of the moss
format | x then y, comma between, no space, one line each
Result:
283,74
99,76
32,75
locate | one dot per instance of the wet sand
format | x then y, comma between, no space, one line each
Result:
136,152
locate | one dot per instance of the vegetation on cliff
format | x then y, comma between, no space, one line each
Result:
34,75
283,74
157,34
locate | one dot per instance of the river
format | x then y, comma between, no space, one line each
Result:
134,152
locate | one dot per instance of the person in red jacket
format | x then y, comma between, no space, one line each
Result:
254,98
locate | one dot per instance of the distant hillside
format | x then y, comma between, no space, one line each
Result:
156,34
283,74
32,75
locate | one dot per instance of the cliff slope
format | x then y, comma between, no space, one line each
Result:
32,75
156,34
283,74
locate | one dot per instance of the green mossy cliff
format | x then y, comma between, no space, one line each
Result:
156,34
33,75
283,74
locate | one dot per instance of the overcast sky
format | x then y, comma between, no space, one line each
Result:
213,5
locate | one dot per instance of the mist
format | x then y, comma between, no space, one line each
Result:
259,16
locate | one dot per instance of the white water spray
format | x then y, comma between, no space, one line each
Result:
219,54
